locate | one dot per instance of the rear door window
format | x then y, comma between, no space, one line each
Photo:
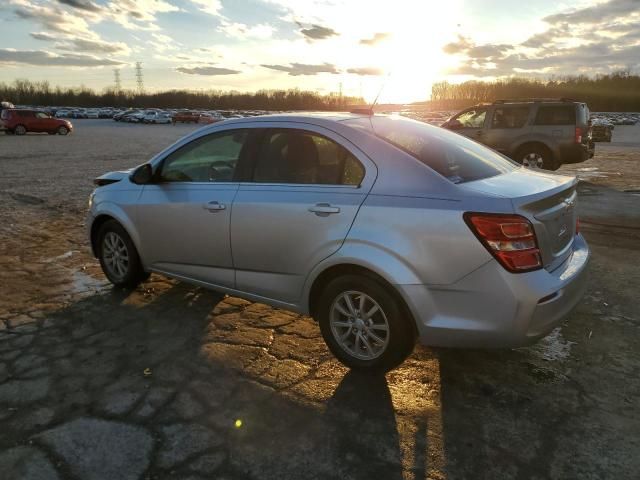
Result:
299,157
453,156
556,115
510,117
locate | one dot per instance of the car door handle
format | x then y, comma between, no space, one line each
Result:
214,206
324,209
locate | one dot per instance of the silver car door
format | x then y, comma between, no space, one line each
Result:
307,186
184,216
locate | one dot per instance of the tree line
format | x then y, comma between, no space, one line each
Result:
26,92
616,92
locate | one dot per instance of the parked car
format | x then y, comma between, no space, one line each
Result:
186,117
4,106
21,121
382,228
154,116
208,118
538,133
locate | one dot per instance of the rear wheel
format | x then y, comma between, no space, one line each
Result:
363,324
20,130
118,256
536,157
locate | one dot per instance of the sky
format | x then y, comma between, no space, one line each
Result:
396,48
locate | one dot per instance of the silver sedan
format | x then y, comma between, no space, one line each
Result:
384,229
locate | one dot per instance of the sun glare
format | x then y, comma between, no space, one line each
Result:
411,55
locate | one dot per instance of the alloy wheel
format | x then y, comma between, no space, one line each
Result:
359,325
115,255
533,161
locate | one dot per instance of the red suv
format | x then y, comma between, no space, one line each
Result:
21,121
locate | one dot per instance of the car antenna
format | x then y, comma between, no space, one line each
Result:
369,110
384,84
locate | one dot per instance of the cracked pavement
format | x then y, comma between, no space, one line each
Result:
173,381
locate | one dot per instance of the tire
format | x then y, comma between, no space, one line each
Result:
113,237
20,130
387,350
536,157
62,130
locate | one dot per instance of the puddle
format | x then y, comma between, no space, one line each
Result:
83,283
60,257
553,347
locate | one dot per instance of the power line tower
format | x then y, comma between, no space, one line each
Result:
116,78
139,80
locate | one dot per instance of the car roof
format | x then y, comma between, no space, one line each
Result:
316,118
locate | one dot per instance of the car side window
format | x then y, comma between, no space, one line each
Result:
25,114
556,115
474,118
301,157
510,117
41,115
212,158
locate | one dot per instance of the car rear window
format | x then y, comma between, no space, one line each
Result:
453,156
556,115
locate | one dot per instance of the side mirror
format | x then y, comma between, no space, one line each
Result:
142,175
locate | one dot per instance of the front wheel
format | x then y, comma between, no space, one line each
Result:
364,325
118,256
62,130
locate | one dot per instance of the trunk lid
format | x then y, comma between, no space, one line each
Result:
547,200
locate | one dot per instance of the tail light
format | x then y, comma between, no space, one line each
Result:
509,238
578,137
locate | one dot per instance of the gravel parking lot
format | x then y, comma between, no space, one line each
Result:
172,381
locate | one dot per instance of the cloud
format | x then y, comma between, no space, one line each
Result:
317,32
365,71
295,69
47,37
212,7
94,46
242,31
459,46
51,19
86,5
210,71
46,59
81,44
547,37
597,13
377,38
138,14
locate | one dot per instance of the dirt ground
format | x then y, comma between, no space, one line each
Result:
172,381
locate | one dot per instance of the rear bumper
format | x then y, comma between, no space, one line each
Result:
491,307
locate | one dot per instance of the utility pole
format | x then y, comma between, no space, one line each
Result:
118,83
139,80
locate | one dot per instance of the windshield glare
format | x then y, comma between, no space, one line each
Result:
453,156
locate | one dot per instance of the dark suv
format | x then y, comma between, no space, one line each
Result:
538,133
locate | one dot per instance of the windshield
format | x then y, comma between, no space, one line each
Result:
453,156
